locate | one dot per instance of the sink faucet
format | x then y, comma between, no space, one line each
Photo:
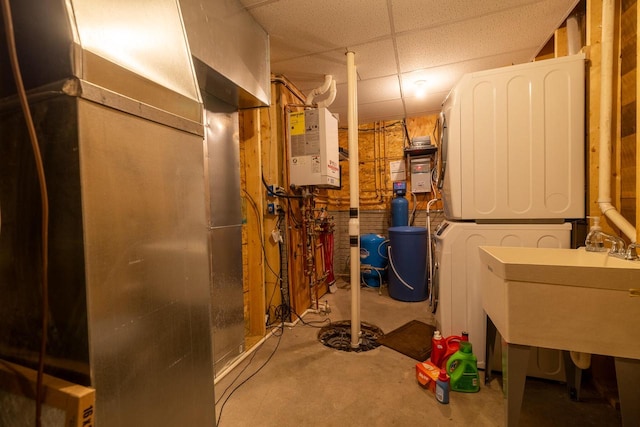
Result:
617,246
595,243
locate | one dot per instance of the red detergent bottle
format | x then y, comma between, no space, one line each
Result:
438,348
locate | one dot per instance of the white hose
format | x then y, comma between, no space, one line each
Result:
429,254
393,267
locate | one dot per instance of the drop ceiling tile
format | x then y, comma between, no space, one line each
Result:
376,59
411,15
321,25
373,60
370,91
429,104
386,110
308,72
488,35
438,79
376,90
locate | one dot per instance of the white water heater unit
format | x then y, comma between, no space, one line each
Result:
313,148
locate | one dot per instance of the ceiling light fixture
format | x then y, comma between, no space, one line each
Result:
420,88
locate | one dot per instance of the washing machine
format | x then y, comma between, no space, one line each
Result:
459,305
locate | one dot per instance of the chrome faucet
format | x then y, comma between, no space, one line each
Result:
595,243
631,252
617,246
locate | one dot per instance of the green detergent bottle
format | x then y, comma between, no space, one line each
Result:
462,368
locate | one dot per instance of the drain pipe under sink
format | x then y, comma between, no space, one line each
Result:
354,198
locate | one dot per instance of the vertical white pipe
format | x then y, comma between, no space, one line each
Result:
574,33
606,108
354,198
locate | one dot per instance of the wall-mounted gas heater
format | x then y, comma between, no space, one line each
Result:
313,148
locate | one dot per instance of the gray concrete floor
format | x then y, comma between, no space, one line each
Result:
304,383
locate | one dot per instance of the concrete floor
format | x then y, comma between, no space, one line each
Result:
307,384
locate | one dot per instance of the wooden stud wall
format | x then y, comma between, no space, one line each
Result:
380,143
252,208
628,72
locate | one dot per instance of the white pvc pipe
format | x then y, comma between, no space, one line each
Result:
325,103
354,197
606,107
328,78
574,34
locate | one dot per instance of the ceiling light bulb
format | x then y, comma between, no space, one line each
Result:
421,88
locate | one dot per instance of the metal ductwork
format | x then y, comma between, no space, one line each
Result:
120,118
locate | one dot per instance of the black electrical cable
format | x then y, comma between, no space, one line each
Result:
264,251
253,374
15,67
278,193
312,322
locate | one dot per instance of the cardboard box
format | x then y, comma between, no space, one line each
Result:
77,402
427,374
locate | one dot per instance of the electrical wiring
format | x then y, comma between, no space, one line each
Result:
278,193
279,332
252,375
264,250
312,322
15,67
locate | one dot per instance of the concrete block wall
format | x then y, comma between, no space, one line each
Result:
373,221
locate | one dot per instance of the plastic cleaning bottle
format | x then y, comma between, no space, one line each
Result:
451,345
462,368
594,241
442,387
438,348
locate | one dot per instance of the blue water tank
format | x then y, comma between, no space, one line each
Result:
399,211
373,253
408,263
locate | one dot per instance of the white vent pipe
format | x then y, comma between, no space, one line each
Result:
574,33
328,78
354,198
329,99
606,108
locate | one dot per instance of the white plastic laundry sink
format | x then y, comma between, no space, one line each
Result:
567,299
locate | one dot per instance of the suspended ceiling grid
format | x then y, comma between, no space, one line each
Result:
400,42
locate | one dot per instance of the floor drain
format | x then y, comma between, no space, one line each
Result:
338,336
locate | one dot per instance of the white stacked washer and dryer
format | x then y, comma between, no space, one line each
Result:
512,174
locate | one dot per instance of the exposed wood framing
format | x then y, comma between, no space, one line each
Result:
252,205
379,144
637,201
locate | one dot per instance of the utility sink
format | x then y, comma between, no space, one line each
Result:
567,299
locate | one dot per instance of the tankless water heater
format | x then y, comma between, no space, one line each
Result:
313,148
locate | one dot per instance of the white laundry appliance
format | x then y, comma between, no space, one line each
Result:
512,171
512,143
459,298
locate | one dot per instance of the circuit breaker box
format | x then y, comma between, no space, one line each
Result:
313,148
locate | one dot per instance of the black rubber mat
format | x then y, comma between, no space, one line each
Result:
412,339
